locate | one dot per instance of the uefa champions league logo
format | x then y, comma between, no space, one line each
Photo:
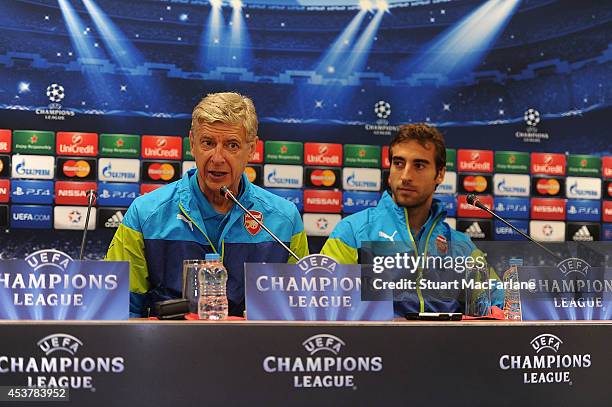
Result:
55,93
531,134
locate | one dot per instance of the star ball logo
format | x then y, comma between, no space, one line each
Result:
548,364
55,92
61,366
382,109
324,365
532,117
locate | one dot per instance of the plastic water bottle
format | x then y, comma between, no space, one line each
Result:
213,298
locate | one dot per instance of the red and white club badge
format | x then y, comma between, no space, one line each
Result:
250,225
442,244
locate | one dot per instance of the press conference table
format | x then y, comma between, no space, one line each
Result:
190,363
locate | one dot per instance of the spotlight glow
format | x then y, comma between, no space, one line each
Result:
366,5
23,87
215,4
382,5
236,4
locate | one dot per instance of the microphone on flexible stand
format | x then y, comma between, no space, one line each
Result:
91,198
225,192
474,201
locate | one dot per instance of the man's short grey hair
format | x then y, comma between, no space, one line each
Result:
227,107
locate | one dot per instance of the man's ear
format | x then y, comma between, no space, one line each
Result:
253,147
440,176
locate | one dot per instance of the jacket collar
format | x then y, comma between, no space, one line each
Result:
187,200
437,210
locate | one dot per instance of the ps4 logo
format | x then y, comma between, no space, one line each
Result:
32,192
106,194
583,210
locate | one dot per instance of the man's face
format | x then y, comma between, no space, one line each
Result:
221,153
413,177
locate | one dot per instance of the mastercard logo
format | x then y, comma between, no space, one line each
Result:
548,187
1,165
250,173
324,178
609,185
78,168
476,183
164,172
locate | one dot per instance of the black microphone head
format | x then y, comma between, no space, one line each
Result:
223,190
471,199
92,192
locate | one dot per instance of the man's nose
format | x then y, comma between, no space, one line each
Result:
407,174
218,154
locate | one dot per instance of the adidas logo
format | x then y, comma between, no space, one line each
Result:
114,221
583,235
474,231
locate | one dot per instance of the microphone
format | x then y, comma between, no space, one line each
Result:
227,194
474,201
91,198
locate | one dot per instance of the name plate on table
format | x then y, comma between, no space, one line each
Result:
48,284
317,288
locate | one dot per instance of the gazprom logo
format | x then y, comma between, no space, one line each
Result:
352,181
22,169
575,190
108,172
290,176
513,185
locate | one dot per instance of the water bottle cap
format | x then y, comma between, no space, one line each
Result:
212,256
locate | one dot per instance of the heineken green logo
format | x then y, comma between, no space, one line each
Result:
119,142
512,159
284,149
583,162
34,139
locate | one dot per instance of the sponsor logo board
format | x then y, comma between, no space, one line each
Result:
78,144
5,141
323,154
511,184
449,202
258,155
5,189
283,176
478,184
160,171
284,152
548,208
31,217
548,187
323,177
583,210
512,162
320,224
73,217
475,161
110,218
187,165
119,145
451,159
78,169
583,188
358,155
548,164
356,201
32,192
5,165
606,209
146,188
118,170
322,201
33,142
117,194
501,231
583,165
582,232
361,179
476,229
33,167
465,210
547,231
73,193
253,173
512,208
162,147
